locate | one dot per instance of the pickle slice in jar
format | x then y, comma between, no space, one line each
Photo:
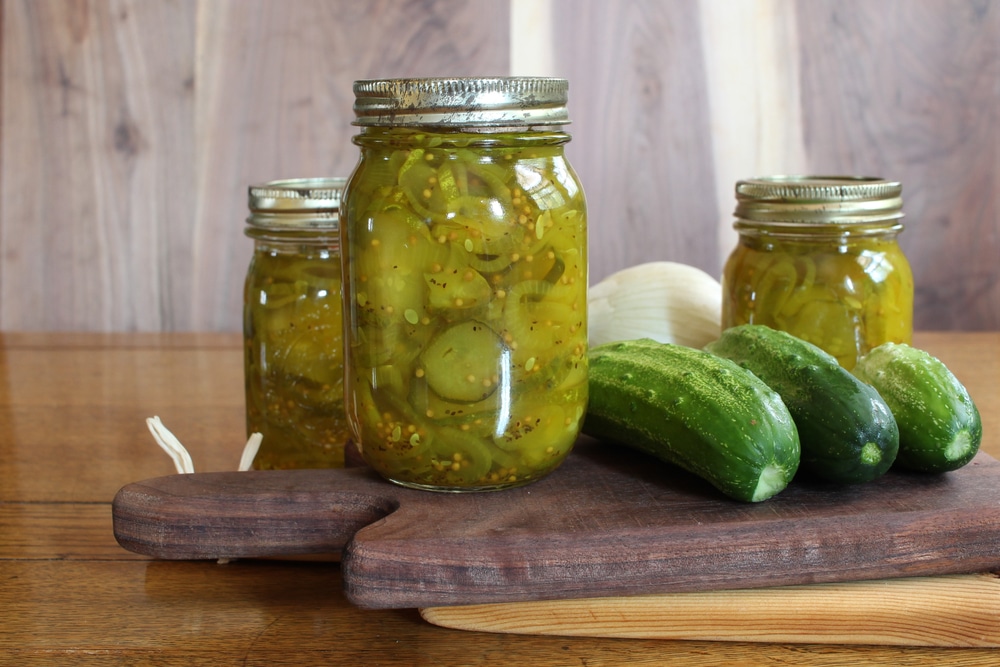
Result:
407,446
831,325
390,264
417,180
456,286
489,263
485,177
485,235
540,321
457,458
541,435
476,417
394,240
461,364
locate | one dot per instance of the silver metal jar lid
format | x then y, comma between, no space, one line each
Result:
298,203
819,199
461,102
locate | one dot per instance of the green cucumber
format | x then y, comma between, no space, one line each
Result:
694,410
847,432
939,425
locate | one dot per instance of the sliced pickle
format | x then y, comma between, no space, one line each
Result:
458,458
489,263
468,298
461,363
539,323
477,417
541,437
294,357
484,235
398,242
845,300
456,285
416,180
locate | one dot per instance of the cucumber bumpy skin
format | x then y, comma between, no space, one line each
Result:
939,425
847,432
694,410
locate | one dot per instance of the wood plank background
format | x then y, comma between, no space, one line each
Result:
130,130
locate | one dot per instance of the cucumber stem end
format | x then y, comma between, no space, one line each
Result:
773,479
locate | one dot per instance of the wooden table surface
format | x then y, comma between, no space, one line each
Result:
72,432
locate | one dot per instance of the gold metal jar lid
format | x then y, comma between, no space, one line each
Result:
461,102
818,200
296,204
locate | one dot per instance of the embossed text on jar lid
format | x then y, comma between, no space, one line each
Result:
819,199
461,102
299,203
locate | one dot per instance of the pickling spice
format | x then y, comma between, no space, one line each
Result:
818,257
293,324
465,292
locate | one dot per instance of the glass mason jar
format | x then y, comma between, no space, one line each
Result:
465,289
818,257
293,324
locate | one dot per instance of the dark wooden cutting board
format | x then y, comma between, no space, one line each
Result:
609,522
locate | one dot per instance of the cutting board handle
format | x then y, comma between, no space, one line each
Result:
606,523
254,514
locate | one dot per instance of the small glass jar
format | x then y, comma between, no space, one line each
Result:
293,324
818,257
465,293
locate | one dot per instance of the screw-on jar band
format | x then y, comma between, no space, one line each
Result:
818,199
472,102
301,203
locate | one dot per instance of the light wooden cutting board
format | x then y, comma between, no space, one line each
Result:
949,610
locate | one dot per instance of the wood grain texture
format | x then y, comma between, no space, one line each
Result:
753,80
957,610
674,101
909,91
30,531
130,131
97,156
97,396
292,614
67,597
608,522
641,131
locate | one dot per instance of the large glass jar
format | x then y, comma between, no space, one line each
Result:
465,289
293,325
818,257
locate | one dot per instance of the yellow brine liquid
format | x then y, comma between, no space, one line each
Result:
293,326
465,297
839,282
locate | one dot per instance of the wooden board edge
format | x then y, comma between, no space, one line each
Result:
941,611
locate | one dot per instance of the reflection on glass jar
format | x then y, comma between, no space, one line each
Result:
818,257
293,325
466,285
